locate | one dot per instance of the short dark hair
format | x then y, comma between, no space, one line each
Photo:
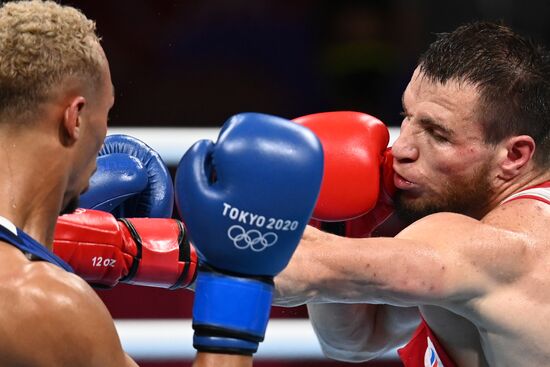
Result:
511,73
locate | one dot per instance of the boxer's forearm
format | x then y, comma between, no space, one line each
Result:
420,265
317,273
299,282
368,270
329,268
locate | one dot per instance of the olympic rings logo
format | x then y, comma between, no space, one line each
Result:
252,239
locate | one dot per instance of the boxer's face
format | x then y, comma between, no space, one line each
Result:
441,162
94,129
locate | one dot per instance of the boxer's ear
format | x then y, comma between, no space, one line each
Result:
72,120
518,151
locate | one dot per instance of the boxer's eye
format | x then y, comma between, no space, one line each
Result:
436,136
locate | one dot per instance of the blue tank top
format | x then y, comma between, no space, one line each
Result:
29,245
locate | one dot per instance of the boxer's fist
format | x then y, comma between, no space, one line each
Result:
245,201
354,145
143,251
364,225
358,177
248,196
131,180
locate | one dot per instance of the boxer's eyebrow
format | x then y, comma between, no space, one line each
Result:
429,123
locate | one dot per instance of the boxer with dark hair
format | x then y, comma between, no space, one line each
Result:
466,281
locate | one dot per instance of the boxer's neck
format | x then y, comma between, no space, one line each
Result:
31,184
530,179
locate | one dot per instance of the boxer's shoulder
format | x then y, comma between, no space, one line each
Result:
441,229
50,315
525,215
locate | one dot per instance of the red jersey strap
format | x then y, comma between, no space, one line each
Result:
424,350
539,192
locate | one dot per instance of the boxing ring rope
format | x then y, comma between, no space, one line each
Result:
171,339
171,143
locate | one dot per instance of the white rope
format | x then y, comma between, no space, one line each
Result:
172,339
171,143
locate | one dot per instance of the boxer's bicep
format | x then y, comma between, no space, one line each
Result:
361,332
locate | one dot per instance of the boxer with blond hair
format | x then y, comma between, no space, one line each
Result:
55,95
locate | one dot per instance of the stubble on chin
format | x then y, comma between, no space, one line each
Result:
469,196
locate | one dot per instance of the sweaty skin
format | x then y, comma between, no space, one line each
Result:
479,280
70,324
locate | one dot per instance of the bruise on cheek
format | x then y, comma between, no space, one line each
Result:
459,160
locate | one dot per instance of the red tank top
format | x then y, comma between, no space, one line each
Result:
539,192
424,350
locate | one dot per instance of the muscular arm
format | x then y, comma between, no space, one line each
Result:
440,260
351,332
445,259
361,332
55,319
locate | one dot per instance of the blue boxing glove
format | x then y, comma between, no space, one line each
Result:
131,180
245,201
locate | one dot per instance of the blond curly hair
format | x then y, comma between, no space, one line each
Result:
41,44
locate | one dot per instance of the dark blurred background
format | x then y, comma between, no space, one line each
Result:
196,62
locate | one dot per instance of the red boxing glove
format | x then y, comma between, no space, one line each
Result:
143,251
367,223
354,144
357,183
